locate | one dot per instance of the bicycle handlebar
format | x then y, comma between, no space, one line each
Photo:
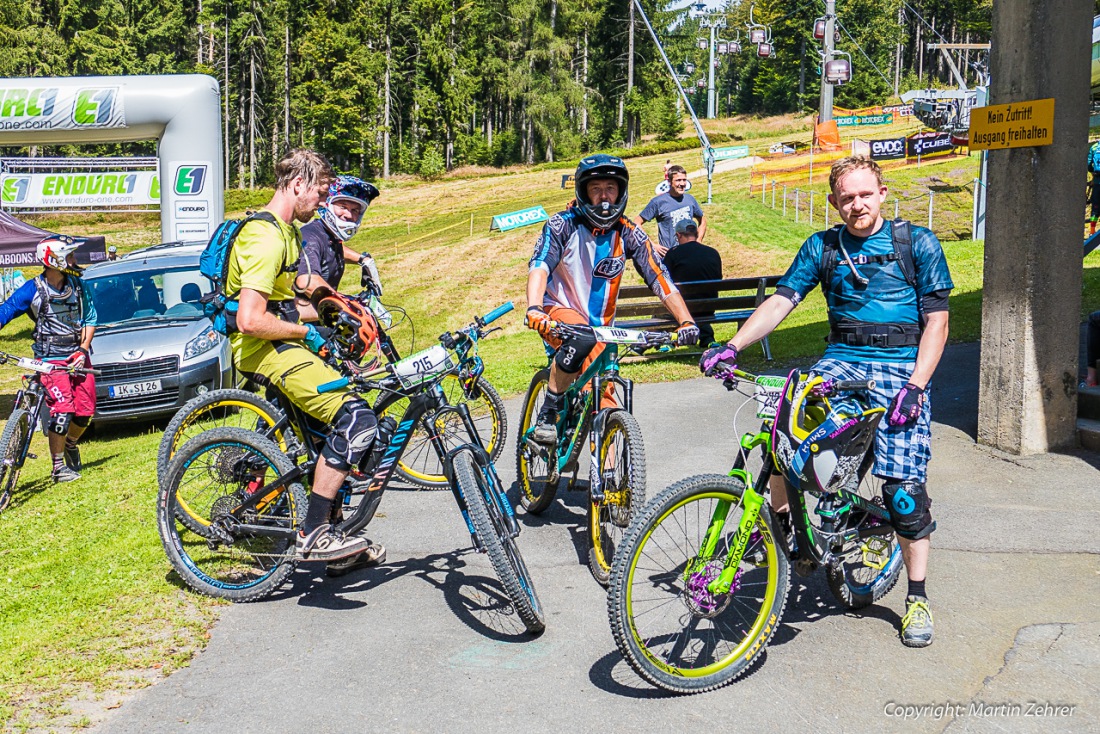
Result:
42,367
497,312
853,385
332,385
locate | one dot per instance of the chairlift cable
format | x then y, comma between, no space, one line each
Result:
872,63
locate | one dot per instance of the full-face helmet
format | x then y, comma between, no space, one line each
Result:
54,251
354,328
818,441
595,167
347,188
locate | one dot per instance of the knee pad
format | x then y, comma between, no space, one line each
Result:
573,352
59,423
351,435
82,420
910,509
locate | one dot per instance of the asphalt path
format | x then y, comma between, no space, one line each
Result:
426,642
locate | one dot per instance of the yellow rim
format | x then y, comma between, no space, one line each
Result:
194,418
763,624
620,498
525,423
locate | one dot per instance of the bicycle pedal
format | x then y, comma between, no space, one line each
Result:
874,553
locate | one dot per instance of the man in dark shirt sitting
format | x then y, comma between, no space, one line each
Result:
692,260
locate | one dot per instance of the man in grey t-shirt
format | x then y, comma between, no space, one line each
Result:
670,208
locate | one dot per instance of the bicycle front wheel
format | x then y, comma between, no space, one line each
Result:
419,463
13,442
536,491
674,629
243,557
497,541
622,471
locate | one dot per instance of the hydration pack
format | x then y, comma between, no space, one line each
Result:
214,264
900,234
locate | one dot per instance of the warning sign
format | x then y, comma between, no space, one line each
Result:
1015,125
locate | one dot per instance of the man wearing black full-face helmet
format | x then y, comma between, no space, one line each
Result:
575,271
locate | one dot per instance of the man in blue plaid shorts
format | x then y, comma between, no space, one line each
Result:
887,324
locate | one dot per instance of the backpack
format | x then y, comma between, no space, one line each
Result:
214,264
1094,157
902,236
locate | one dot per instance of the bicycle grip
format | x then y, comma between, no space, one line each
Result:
497,312
853,385
334,385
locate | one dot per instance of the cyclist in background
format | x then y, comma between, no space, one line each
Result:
574,275
272,348
64,324
324,249
883,328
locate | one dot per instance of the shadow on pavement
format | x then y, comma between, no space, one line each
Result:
478,601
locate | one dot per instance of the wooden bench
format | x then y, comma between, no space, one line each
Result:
737,298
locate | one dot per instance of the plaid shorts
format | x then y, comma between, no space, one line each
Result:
900,453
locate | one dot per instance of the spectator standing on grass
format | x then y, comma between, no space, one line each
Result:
670,207
1094,186
690,261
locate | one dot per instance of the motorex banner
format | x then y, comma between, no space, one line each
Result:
181,112
522,218
64,190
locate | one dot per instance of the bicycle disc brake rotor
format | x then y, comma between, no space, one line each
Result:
702,602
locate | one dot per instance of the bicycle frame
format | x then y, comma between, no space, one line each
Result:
605,368
812,547
29,398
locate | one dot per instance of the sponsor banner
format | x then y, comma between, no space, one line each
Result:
60,105
730,152
98,189
192,209
842,112
925,144
899,110
522,218
854,120
888,150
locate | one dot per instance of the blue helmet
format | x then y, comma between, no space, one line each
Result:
348,188
595,167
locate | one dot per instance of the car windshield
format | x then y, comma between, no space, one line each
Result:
150,294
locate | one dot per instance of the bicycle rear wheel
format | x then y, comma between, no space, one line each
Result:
867,569
536,491
497,541
419,463
672,629
212,475
227,407
12,444
622,469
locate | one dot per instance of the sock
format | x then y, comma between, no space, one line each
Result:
916,588
319,512
58,461
70,443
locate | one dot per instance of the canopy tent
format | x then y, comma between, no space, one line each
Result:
18,240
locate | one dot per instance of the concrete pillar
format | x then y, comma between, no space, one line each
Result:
1032,291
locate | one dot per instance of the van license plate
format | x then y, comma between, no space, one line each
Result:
131,389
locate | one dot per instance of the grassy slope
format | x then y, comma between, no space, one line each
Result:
86,598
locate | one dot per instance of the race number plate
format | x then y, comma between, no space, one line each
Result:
422,365
768,390
133,389
35,365
615,335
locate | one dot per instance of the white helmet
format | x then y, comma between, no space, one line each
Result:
54,251
348,188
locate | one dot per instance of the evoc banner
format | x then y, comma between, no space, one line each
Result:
522,218
98,189
930,144
888,150
58,105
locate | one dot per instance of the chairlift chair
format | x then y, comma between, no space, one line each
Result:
689,68
764,50
723,48
819,29
839,71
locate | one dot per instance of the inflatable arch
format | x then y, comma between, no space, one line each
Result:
181,112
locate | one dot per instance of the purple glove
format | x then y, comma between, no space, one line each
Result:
718,361
906,405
